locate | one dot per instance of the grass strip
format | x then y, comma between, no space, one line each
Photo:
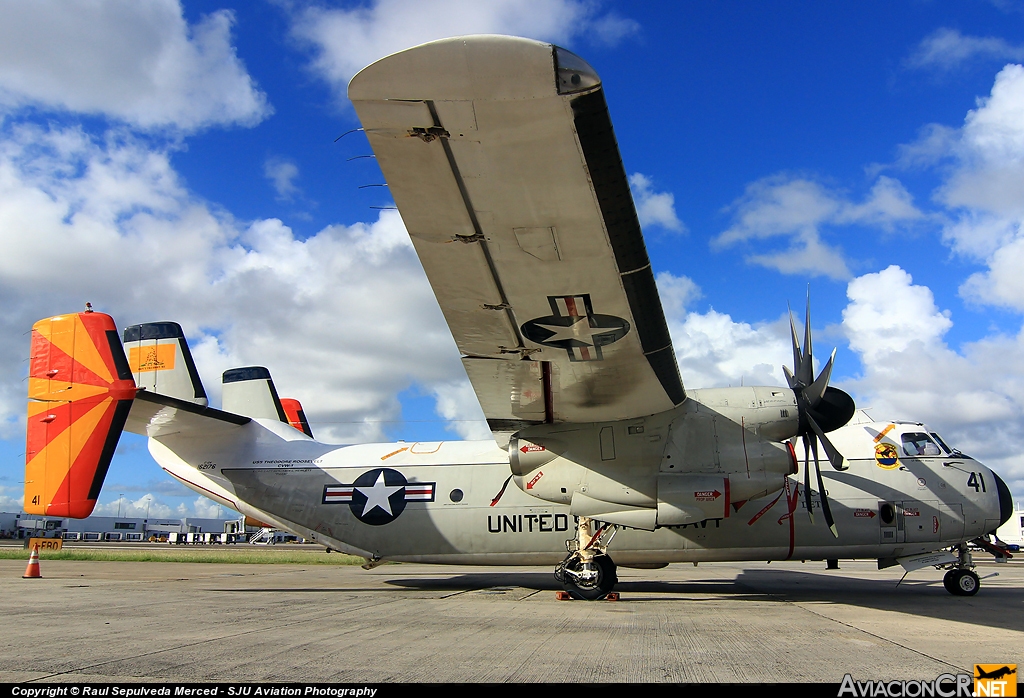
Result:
238,556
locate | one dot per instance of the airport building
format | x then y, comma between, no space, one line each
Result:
1013,530
118,529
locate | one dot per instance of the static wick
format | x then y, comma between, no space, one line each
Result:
346,133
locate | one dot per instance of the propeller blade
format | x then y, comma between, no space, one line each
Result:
789,377
806,372
816,390
796,346
825,509
807,479
834,456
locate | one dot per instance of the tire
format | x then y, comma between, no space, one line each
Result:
604,582
965,583
947,581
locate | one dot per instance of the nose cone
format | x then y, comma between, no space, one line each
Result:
1005,500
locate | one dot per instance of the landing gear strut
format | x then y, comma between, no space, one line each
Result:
962,580
587,572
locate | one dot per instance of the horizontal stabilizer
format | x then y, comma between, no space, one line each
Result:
80,391
157,415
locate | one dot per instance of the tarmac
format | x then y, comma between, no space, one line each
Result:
722,622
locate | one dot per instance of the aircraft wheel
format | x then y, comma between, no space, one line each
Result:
947,581
560,572
965,583
594,586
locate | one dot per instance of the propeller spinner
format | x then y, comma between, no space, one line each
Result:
822,409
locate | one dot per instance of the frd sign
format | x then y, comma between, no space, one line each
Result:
45,543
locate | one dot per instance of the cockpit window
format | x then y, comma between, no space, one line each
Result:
942,443
918,444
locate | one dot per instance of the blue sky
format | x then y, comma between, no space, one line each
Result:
178,161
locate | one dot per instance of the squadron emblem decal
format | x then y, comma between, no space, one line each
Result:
378,496
887,456
575,327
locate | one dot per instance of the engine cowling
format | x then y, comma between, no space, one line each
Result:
637,473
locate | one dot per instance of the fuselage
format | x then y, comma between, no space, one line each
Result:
452,502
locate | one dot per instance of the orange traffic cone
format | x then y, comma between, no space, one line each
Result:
32,571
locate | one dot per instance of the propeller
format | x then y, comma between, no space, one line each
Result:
822,409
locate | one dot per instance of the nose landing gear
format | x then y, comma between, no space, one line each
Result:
588,572
962,580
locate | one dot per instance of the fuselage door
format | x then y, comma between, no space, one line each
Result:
921,521
890,523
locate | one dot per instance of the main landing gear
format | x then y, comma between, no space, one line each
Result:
961,580
587,572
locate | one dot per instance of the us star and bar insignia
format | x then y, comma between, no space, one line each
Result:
575,327
379,496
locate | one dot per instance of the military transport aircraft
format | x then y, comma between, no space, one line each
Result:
501,158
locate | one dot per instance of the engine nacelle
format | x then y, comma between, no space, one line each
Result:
769,412
615,463
669,470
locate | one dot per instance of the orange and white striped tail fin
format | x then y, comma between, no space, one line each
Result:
80,391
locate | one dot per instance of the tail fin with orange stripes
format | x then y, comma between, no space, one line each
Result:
80,391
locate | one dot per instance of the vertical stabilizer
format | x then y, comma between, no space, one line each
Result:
161,361
250,391
80,390
296,416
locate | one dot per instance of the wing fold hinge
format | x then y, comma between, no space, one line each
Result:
429,134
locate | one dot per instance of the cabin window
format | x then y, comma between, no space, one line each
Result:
918,444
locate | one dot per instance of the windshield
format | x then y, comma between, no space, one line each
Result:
942,443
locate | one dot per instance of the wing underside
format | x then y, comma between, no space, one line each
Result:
499,153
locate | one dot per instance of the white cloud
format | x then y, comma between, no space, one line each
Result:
143,507
282,174
934,142
983,190
975,397
457,403
715,351
947,49
346,40
796,210
989,174
208,509
887,313
10,504
138,62
887,205
677,293
344,319
654,208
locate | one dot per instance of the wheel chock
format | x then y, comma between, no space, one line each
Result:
563,596
612,596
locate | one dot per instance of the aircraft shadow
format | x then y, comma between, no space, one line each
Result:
479,581
919,595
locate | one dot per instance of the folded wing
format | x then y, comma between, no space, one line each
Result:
500,155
